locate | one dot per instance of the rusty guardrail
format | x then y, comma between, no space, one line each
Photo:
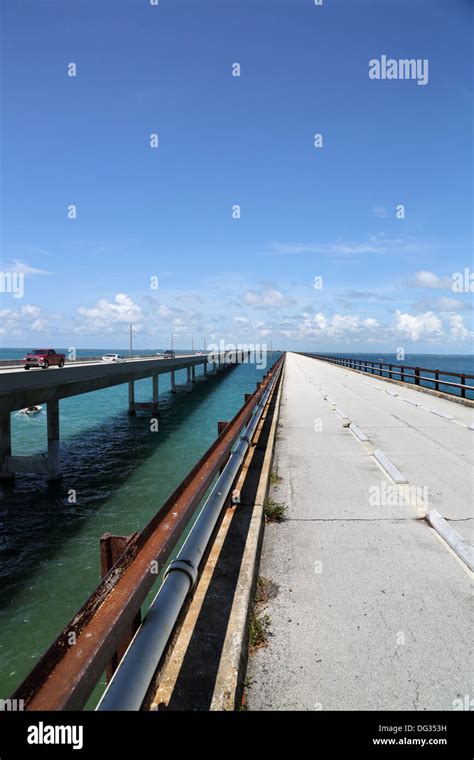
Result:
68,672
136,672
391,371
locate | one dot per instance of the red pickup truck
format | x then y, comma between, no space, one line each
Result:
44,358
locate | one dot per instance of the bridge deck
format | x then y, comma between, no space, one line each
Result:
19,388
372,608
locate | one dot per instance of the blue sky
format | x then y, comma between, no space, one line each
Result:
305,212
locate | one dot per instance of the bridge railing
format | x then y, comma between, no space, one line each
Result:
428,378
82,359
67,674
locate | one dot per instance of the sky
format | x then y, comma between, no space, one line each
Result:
160,168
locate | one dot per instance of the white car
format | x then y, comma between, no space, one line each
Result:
112,358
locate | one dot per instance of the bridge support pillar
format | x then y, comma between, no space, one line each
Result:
204,370
189,382
54,463
155,402
193,373
173,381
5,446
131,399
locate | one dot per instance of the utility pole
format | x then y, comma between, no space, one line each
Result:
192,343
172,341
131,339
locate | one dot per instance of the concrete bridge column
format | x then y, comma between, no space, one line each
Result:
188,378
155,395
173,381
193,373
54,462
204,370
131,398
5,445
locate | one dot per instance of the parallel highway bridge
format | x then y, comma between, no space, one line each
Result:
20,389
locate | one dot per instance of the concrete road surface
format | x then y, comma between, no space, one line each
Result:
373,608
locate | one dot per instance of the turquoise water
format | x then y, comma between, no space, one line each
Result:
121,472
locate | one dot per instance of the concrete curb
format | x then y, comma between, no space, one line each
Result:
458,544
442,414
390,468
343,417
410,401
358,432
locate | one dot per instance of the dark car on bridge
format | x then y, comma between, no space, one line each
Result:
44,358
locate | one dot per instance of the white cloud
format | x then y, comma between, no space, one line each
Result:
17,321
364,295
190,297
22,268
425,279
27,310
165,312
353,329
106,314
458,330
380,243
443,304
417,326
266,298
30,310
449,304
39,325
371,323
335,326
325,248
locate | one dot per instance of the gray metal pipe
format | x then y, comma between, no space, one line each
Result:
131,680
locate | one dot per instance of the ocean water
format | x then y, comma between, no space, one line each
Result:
121,472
